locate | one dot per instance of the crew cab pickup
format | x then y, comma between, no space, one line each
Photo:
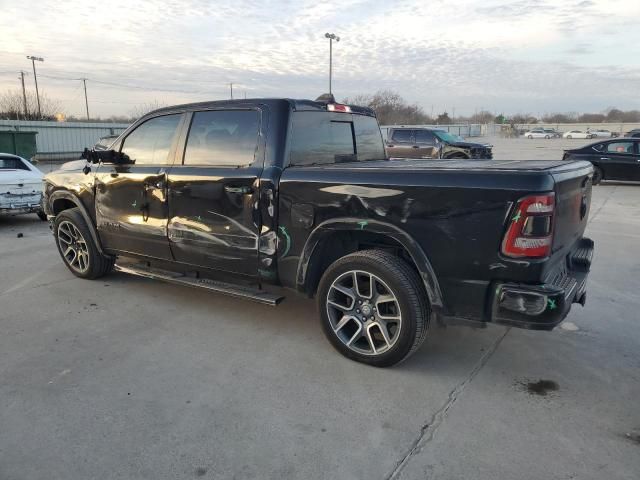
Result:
246,196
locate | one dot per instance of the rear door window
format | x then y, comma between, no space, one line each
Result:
12,164
402,136
223,138
620,148
425,137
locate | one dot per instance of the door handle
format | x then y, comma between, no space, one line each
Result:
114,174
415,146
390,145
243,190
605,158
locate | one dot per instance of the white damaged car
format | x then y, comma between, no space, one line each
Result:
20,187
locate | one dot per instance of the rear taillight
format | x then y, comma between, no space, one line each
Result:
530,229
337,107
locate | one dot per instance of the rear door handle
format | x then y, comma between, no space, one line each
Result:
415,146
238,190
605,158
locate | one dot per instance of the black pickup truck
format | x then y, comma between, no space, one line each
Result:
245,196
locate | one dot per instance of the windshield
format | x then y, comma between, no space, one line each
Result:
448,137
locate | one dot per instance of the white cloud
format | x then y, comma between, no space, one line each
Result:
510,56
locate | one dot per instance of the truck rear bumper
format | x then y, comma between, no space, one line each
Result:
543,306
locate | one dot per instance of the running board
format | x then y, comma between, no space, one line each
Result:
237,291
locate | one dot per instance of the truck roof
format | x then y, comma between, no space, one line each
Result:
290,103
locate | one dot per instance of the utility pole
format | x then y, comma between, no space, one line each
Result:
331,37
231,87
24,96
86,102
35,79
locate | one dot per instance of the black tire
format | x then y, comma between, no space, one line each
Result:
530,137
97,264
41,215
547,137
410,298
597,175
569,137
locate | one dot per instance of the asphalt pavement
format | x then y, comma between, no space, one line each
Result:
127,378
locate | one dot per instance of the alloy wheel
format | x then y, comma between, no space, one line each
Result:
364,312
73,246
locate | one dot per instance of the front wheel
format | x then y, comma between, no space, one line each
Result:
76,246
547,137
373,307
569,137
530,137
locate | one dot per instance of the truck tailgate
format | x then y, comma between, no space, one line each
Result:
573,199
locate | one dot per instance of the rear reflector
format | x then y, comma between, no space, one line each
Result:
336,107
530,230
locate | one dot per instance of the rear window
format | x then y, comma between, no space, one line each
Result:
322,138
12,164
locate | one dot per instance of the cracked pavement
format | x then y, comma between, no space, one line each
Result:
129,378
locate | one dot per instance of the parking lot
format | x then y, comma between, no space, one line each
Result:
129,378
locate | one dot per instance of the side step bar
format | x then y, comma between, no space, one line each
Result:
238,291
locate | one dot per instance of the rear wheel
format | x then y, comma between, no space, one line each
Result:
373,308
597,175
77,248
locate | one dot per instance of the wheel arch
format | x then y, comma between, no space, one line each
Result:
62,200
338,237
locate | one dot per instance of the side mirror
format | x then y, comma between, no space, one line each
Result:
105,156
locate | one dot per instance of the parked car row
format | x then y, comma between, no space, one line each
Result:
553,133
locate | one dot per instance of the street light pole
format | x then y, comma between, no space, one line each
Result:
331,37
35,79
86,102
24,96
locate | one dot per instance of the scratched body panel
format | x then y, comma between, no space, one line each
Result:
456,217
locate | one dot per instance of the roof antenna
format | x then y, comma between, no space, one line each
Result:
326,98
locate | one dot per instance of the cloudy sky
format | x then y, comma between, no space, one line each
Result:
507,56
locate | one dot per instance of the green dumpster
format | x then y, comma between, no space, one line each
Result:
18,143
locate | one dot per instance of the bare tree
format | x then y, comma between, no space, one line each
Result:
391,108
12,106
144,108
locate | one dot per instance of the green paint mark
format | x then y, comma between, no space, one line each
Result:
516,218
552,304
134,204
363,224
288,238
